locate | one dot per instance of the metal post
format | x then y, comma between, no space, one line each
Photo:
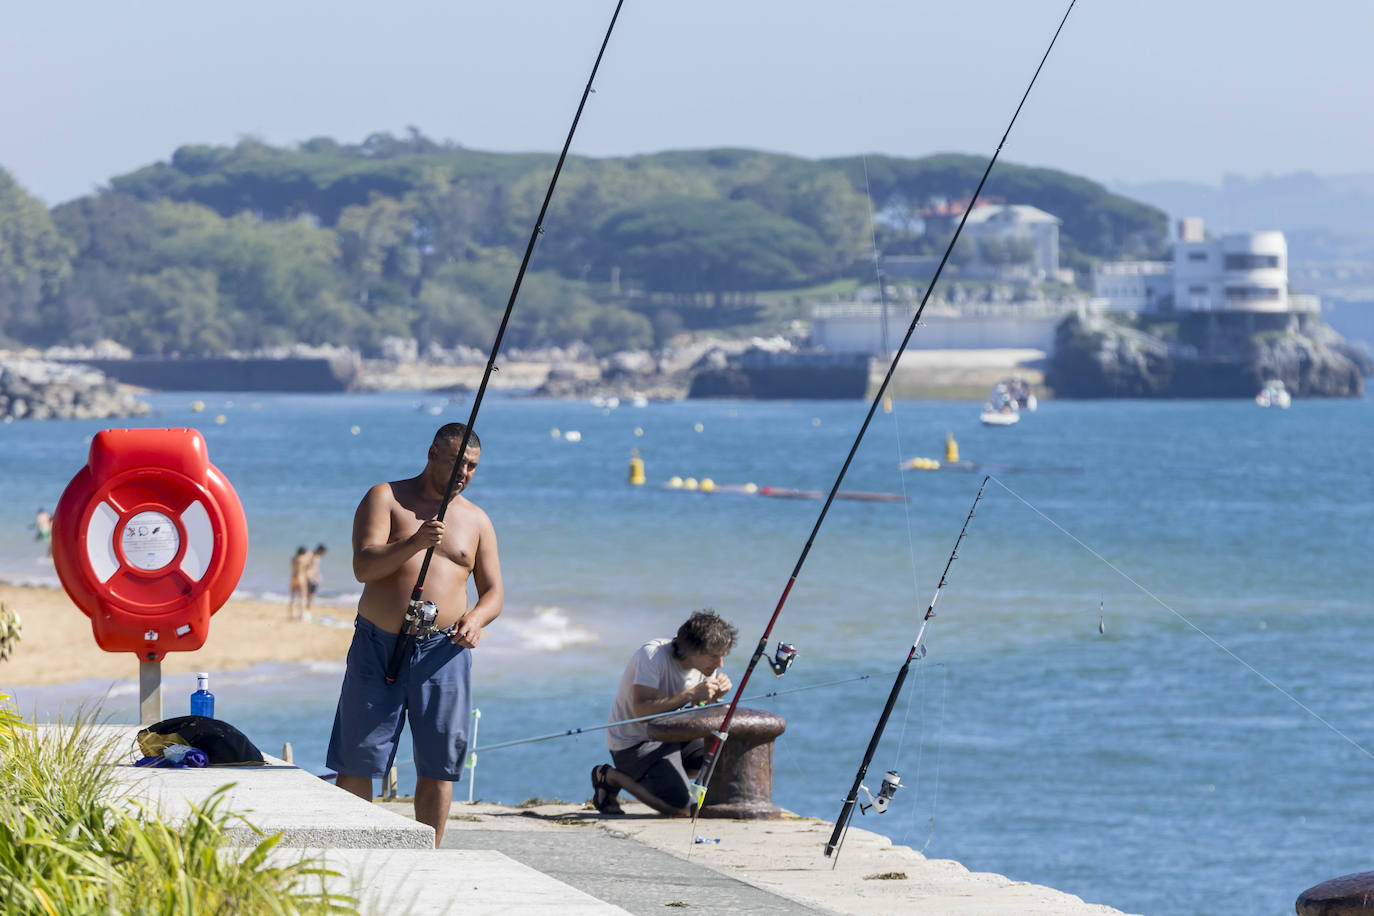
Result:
472,755
149,692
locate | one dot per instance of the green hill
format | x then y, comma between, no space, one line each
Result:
252,245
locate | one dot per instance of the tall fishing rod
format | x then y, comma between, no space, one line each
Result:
420,615
891,781
703,779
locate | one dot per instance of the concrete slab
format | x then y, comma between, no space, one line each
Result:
448,881
274,798
782,858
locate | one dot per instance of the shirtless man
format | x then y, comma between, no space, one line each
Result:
394,526
300,567
314,574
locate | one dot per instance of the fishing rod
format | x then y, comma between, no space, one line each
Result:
891,781
659,715
420,614
567,733
718,738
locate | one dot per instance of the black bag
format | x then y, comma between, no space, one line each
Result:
221,742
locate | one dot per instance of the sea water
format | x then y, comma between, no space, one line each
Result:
1147,680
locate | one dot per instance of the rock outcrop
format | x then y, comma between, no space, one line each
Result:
35,389
1101,357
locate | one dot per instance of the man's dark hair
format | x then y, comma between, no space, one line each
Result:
453,432
704,631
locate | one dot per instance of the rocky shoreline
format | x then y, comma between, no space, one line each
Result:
37,389
1097,356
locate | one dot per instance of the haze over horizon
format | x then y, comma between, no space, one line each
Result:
1176,91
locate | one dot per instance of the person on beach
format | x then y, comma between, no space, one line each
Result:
313,575
42,529
300,578
393,528
663,675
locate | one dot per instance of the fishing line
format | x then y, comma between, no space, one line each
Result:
891,781
659,715
718,737
939,744
419,617
1164,604
896,421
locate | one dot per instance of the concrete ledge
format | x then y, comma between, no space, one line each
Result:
276,798
448,881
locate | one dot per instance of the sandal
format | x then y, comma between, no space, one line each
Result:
604,796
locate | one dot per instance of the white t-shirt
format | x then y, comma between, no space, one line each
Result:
651,666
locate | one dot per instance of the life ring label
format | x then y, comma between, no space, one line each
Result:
150,541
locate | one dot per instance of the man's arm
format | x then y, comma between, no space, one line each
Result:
486,576
646,701
373,557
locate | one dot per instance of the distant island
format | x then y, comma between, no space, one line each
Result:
335,266
241,248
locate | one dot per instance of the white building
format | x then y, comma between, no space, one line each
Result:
1239,272
1014,229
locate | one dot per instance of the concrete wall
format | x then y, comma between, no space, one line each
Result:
860,331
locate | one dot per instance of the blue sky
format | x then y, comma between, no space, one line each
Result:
1136,90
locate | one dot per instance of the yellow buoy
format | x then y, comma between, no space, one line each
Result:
636,469
751,488
698,427
197,406
690,483
951,448
639,431
707,485
555,432
675,483
221,419
355,429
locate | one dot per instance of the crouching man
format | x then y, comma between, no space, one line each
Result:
663,675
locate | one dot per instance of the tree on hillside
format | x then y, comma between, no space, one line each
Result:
692,246
35,260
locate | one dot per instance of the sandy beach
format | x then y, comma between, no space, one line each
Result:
58,646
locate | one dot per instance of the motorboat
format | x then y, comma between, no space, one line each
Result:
1003,417
1274,394
1003,407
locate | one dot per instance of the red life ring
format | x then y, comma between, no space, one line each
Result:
149,540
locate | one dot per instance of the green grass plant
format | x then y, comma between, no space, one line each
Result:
71,841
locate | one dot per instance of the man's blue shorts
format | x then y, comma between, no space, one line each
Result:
432,690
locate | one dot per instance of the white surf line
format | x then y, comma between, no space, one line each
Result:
1164,604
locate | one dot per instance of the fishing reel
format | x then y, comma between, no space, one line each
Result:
420,617
783,658
891,783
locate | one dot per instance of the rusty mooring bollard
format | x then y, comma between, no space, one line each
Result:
1348,895
742,786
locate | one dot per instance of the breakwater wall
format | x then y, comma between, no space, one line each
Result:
230,373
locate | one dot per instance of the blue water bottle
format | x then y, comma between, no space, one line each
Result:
203,701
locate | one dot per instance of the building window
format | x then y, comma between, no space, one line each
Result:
1197,255
1251,261
1252,293
1198,290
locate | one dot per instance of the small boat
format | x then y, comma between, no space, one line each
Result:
1274,394
1003,407
999,417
